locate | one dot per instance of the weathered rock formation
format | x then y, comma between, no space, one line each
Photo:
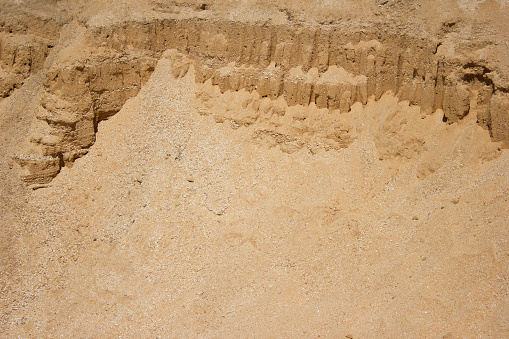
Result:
326,67
20,55
25,41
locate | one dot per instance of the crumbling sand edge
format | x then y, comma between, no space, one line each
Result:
330,66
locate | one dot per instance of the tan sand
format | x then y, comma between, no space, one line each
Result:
208,212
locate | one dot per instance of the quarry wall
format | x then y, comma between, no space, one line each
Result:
326,67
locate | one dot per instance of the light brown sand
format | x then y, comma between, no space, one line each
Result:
174,225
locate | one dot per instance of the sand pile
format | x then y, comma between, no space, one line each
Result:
215,209
176,225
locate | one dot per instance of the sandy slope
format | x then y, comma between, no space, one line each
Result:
174,225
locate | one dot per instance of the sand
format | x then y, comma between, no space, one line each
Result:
180,224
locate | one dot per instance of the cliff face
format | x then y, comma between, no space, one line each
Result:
323,66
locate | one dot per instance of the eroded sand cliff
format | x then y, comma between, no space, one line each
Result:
262,171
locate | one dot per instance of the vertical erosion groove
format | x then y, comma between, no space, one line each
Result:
328,66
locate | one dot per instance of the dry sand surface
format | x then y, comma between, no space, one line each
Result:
184,220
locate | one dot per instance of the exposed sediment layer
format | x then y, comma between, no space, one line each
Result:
20,55
77,95
25,42
328,67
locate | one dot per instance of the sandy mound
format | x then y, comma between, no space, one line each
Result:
253,198
176,225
